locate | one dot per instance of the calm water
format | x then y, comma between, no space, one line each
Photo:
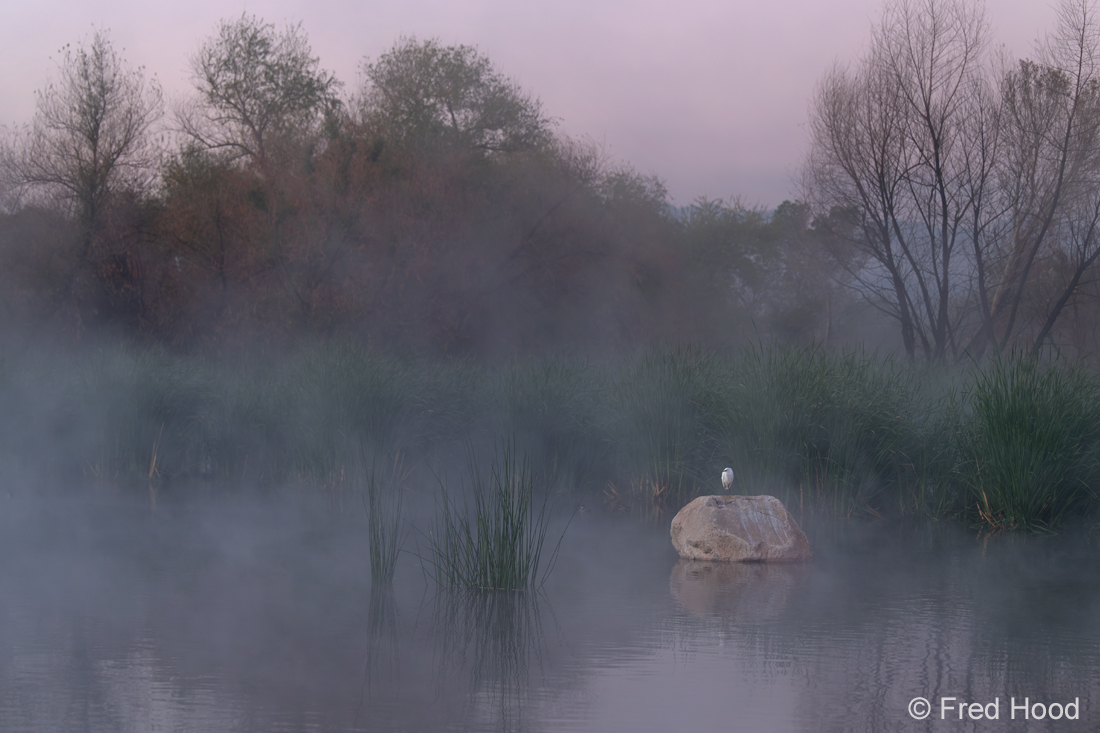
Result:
257,617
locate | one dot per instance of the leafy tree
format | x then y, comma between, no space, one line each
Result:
32,270
625,188
422,93
775,272
254,83
206,227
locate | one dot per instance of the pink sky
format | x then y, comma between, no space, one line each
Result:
711,96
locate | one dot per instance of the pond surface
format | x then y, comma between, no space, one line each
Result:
238,616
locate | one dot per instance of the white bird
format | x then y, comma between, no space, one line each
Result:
727,478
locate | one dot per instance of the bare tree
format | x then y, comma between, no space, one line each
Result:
856,164
977,199
893,141
90,136
1049,171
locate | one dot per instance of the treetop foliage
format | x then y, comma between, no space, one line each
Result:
252,83
424,93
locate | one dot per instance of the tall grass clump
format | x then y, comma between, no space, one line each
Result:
493,537
385,524
660,399
342,398
453,396
557,412
1030,443
836,430
133,414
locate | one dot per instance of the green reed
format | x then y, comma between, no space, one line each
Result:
840,430
557,412
1030,443
494,535
666,452
385,524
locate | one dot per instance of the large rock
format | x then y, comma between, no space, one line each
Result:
738,529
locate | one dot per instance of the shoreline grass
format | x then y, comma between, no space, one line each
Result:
1011,443
1031,444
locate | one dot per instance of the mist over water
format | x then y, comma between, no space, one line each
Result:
242,613
251,360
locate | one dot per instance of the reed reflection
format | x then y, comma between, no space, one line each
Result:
383,654
495,638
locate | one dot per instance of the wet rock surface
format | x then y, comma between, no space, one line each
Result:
738,529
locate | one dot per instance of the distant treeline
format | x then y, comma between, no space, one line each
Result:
435,208
951,205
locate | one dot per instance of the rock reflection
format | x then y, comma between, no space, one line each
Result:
745,591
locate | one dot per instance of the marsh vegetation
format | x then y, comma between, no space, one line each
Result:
311,282
491,534
1012,442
